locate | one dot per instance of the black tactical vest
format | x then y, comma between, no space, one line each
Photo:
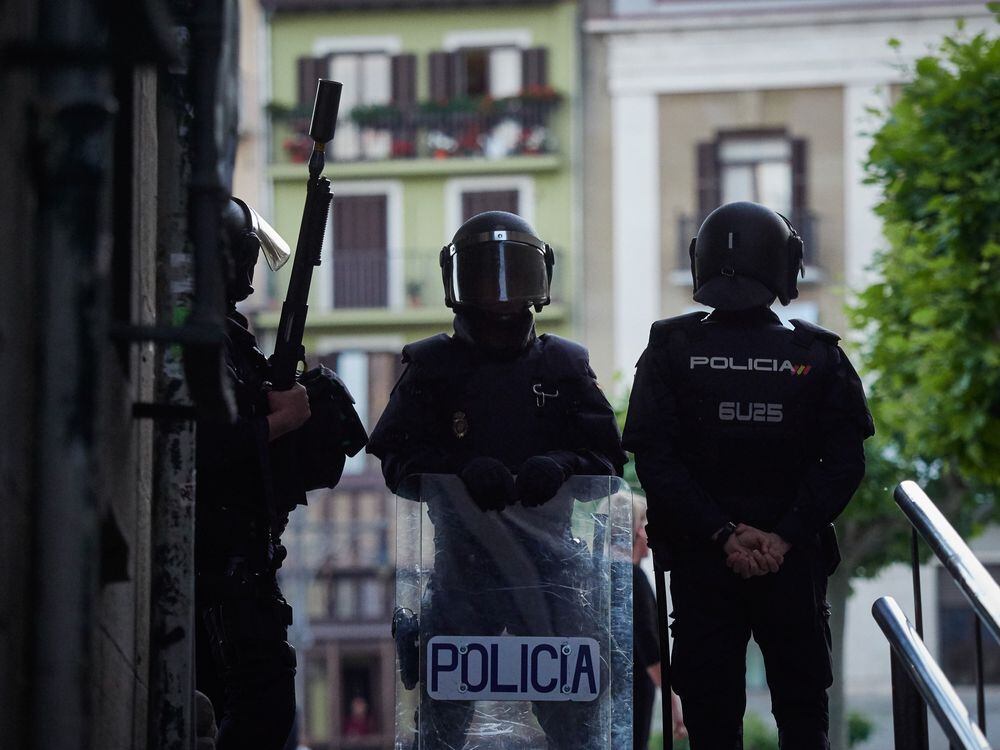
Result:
749,395
544,399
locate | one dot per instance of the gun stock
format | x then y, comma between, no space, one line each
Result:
288,349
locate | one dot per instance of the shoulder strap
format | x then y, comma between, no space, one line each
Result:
678,331
806,333
427,352
562,358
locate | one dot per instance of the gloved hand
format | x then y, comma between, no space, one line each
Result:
490,484
539,480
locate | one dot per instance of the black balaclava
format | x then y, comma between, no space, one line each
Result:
499,335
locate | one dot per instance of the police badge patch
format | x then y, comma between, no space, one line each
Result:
459,424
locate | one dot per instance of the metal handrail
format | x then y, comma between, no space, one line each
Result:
927,676
972,578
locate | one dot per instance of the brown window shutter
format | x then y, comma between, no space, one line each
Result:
404,80
709,191
800,218
360,249
440,70
310,69
489,200
800,196
458,74
534,67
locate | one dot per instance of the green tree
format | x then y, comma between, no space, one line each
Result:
930,351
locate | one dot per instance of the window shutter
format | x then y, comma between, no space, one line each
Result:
475,202
800,196
800,217
310,69
404,80
458,72
360,249
708,179
440,70
534,67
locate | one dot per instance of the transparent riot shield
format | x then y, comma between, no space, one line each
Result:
513,629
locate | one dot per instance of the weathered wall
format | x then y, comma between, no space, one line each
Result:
18,326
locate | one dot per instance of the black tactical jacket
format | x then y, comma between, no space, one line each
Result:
236,464
734,417
455,402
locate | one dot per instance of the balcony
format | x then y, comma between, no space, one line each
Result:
805,222
483,127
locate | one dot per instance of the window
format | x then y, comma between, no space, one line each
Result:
362,247
467,196
367,79
360,251
763,166
360,690
477,201
371,78
758,169
497,71
956,634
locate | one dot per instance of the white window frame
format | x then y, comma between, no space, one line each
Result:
332,45
456,40
456,186
393,191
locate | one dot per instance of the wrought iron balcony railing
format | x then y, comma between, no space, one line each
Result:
501,128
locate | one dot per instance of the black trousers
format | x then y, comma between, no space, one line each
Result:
245,665
716,612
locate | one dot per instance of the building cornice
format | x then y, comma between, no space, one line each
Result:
788,14
805,55
324,6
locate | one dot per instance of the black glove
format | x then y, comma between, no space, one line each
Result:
539,480
489,483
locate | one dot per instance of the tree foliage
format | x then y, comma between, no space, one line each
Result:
932,322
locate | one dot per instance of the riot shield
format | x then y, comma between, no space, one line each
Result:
513,629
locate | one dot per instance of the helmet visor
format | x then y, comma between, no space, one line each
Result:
274,248
499,272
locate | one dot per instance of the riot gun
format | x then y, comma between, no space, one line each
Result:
288,349
328,396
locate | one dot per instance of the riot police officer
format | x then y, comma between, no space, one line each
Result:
747,438
250,475
514,415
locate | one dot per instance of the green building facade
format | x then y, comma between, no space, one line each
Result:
450,107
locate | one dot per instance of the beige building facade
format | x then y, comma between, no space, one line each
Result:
689,105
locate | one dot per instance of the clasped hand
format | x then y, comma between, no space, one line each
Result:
752,552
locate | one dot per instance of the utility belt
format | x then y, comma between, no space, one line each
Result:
246,618
234,542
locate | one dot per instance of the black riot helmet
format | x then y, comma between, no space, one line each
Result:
496,262
744,256
246,235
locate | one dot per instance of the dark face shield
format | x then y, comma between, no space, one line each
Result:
498,269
